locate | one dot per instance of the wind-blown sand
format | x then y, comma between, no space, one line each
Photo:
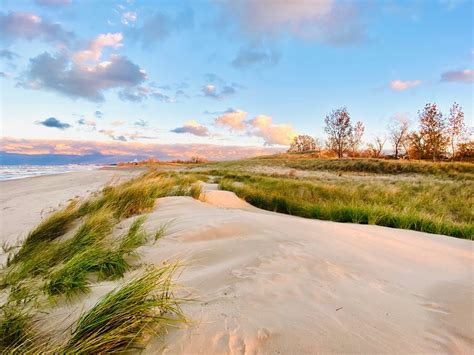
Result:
270,283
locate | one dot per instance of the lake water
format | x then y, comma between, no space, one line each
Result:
11,172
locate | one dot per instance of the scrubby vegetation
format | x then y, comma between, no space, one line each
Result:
76,247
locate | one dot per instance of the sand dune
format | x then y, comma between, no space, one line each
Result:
269,283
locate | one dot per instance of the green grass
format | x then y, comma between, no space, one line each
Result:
74,247
121,320
427,205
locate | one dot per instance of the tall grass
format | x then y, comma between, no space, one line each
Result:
56,261
427,206
458,170
120,320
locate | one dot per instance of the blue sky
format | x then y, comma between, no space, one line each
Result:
125,74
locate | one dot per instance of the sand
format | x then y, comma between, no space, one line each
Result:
267,283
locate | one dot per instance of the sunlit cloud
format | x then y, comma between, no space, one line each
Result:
332,22
56,73
263,126
94,52
29,26
401,85
194,128
233,119
124,151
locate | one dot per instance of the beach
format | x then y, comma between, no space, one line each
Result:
261,282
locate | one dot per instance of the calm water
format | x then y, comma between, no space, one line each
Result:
10,172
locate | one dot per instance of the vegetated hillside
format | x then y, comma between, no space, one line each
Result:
311,162
423,196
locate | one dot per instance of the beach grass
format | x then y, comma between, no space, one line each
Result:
75,247
422,204
121,319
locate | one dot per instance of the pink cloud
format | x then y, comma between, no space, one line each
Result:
131,149
233,119
263,126
462,76
401,85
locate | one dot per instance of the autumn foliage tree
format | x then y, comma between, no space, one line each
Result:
398,135
339,131
303,143
431,139
456,128
356,137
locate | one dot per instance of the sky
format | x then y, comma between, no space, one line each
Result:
222,79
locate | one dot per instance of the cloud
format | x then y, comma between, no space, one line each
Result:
250,56
140,93
58,74
94,52
460,76
117,123
3,75
53,3
160,26
400,85
336,23
193,127
54,123
88,123
98,114
111,134
129,17
141,123
233,119
8,55
212,91
29,26
262,126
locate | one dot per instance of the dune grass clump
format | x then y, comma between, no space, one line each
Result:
120,320
15,329
48,230
107,263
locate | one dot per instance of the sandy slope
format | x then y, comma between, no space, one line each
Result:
275,284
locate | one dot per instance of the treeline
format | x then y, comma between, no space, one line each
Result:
436,137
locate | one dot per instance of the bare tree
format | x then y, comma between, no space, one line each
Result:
398,134
303,143
433,131
376,147
456,127
339,130
356,137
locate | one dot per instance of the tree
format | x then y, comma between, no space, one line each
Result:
302,143
339,130
456,127
356,137
398,134
376,147
433,131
